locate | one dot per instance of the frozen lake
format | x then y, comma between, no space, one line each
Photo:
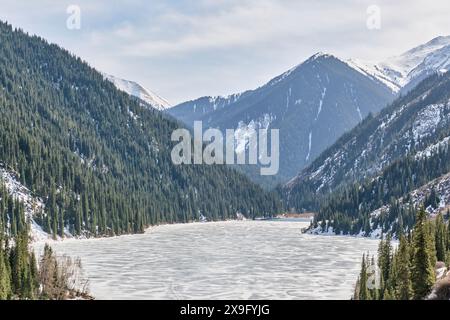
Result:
222,260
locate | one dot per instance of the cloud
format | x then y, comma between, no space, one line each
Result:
226,24
177,47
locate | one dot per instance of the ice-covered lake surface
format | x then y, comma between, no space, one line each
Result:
221,260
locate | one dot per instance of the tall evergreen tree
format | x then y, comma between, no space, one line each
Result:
363,292
403,288
423,276
440,238
5,280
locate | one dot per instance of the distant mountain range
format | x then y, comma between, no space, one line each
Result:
372,178
316,102
312,105
89,160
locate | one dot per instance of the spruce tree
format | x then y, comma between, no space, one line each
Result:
5,278
385,262
440,238
423,276
363,278
448,232
403,289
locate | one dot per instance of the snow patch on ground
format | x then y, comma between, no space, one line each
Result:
427,121
32,203
432,149
374,234
133,115
417,197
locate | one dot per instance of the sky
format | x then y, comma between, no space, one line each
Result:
185,49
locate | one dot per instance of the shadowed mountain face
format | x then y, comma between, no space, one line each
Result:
312,105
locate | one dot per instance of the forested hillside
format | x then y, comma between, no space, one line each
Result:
368,181
98,158
416,269
311,105
22,274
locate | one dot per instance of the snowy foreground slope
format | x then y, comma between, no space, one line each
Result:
136,90
32,204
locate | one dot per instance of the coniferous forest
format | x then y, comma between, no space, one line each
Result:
348,204
99,158
25,276
84,154
414,270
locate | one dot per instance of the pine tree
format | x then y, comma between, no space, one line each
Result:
422,269
403,289
375,292
440,238
82,159
363,278
5,279
448,232
385,261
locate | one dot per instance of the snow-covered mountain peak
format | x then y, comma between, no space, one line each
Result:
319,56
404,71
322,56
436,60
407,62
138,91
422,50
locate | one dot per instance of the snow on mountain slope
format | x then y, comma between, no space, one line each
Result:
418,196
138,91
359,158
374,71
356,157
190,111
410,60
32,204
315,102
311,104
415,125
408,69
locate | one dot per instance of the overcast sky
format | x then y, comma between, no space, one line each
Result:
183,49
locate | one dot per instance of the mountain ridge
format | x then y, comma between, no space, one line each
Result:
374,177
100,159
311,104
